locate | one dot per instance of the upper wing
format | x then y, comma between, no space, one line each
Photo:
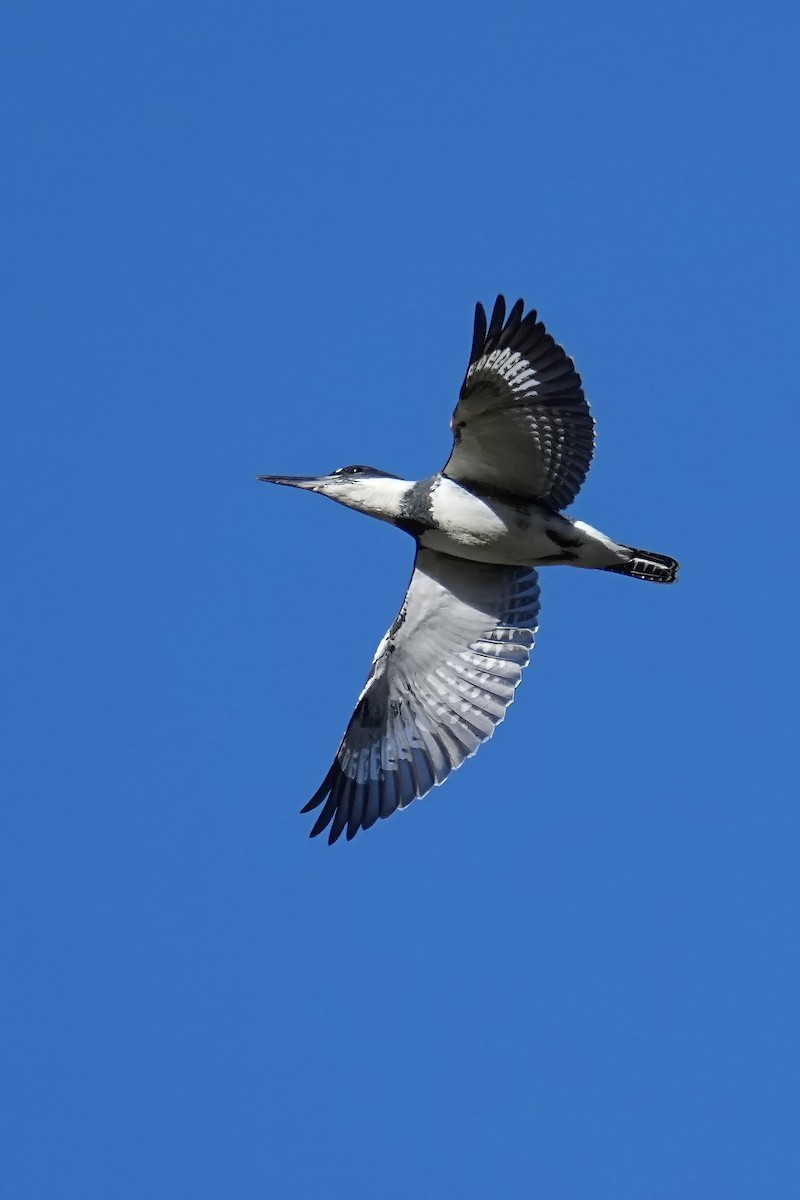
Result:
522,423
441,680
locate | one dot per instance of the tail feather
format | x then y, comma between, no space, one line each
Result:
644,564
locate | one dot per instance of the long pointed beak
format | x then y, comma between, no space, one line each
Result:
301,481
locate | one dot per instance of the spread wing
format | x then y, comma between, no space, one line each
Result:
522,423
441,680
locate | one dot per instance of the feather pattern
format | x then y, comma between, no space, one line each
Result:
522,424
441,681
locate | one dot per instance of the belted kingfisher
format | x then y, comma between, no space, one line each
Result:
446,671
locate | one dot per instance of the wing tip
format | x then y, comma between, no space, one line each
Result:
497,318
319,794
478,332
502,326
338,811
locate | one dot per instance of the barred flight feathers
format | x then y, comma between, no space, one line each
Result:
441,681
522,425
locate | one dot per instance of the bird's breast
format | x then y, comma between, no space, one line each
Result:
484,529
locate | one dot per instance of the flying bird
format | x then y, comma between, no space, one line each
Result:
447,669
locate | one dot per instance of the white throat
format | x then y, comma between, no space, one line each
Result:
378,497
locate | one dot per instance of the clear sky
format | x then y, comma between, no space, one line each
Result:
246,237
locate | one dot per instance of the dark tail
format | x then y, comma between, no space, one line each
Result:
644,564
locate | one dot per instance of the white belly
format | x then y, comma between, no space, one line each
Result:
485,530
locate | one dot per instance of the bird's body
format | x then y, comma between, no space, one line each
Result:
446,671
472,523
488,527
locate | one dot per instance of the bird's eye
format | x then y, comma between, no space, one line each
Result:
354,470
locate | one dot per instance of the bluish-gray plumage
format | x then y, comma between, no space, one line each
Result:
446,671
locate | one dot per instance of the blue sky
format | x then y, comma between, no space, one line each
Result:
247,238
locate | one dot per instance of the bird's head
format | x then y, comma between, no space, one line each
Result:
365,488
